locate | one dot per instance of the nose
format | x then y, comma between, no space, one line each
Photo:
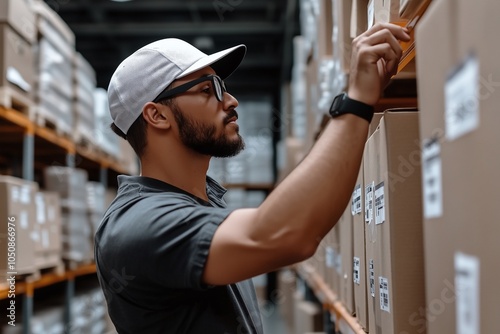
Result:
229,101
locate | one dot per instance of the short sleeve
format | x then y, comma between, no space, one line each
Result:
180,241
164,239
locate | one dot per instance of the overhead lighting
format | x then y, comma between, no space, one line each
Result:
121,0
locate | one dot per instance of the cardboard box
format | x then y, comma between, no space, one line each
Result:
359,250
333,260
312,95
470,153
359,17
47,230
17,205
346,291
436,37
341,33
17,61
51,25
324,21
408,8
69,183
19,15
394,237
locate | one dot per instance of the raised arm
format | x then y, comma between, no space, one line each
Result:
289,225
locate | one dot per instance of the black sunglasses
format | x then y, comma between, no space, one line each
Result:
217,83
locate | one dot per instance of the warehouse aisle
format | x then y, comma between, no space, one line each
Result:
273,321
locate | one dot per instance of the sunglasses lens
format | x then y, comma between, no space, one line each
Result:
218,88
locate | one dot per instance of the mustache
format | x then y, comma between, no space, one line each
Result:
232,113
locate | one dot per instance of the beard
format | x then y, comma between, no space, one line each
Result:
203,139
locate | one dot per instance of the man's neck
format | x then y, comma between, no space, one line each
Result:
186,171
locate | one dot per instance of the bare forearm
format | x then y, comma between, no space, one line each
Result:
312,198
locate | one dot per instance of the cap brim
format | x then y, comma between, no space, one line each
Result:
223,62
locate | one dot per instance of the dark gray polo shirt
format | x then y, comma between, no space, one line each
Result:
151,249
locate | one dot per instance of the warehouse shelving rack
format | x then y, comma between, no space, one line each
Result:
40,146
27,148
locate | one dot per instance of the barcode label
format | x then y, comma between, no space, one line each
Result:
467,291
356,201
356,267
372,279
432,180
329,257
369,202
384,294
462,99
379,204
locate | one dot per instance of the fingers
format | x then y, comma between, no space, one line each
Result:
385,36
386,52
400,33
375,57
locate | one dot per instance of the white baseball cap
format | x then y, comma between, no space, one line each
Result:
142,76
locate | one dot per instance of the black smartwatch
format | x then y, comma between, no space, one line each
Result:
342,104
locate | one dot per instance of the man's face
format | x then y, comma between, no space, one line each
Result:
204,124
206,137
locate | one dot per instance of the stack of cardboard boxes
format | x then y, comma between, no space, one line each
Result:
423,209
42,76
70,184
54,70
17,204
459,95
17,63
107,141
84,85
47,230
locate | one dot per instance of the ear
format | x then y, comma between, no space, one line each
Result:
156,115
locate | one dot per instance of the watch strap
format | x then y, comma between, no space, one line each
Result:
342,104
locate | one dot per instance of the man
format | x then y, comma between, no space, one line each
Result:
170,257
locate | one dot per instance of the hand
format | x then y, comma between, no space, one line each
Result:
374,60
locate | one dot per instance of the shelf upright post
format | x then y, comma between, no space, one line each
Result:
70,159
70,294
28,307
29,155
103,176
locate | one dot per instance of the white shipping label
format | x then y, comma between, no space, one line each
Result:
384,294
432,179
356,267
369,202
372,279
462,99
330,257
338,263
356,201
35,236
25,195
467,291
23,220
40,208
379,204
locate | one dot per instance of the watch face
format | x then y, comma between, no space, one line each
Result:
337,101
